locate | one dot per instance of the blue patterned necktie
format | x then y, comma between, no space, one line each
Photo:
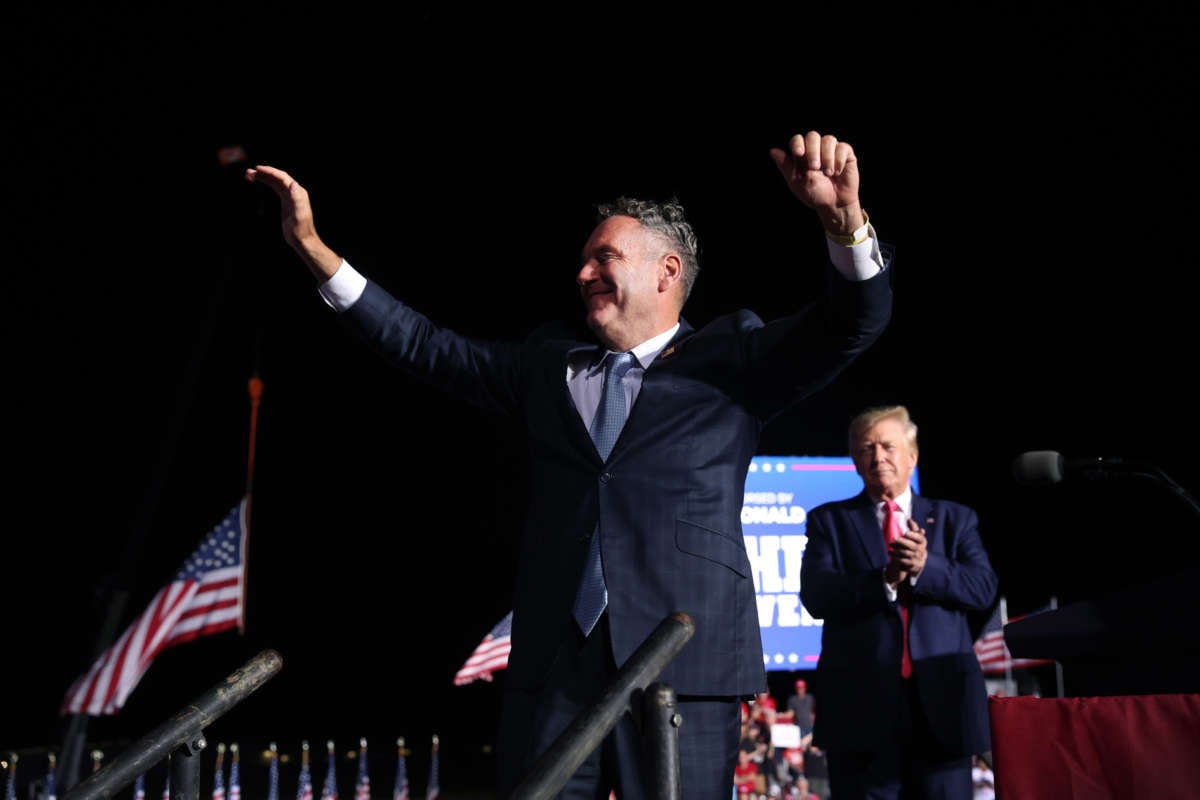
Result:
592,596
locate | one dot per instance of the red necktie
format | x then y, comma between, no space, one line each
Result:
891,532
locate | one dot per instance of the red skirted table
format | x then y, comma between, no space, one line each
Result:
1120,747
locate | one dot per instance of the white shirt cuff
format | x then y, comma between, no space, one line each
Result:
344,288
857,262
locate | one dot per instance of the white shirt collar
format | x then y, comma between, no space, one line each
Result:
904,500
647,351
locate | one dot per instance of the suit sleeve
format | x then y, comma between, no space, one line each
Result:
487,375
828,588
959,574
789,359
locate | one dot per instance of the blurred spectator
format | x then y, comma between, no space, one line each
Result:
816,771
982,779
800,708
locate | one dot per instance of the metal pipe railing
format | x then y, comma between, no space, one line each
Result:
555,767
662,719
183,732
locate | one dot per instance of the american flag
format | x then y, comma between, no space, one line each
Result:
990,648
273,774
166,795
400,787
139,787
434,789
490,655
51,792
10,782
206,596
235,783
218,792
362,789
329,790
304,789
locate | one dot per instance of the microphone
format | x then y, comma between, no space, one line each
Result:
1044,467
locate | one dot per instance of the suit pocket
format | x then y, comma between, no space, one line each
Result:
712,545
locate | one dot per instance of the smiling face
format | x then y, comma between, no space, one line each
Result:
630,283
884,458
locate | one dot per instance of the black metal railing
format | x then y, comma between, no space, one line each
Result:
631,689
181,738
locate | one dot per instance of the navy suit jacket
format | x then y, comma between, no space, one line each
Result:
669,497
841,582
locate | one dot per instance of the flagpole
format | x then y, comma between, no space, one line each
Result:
120,588
1009,688
1058,671
255,389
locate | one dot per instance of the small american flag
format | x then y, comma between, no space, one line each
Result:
434,789
206,596
235,783
166,795
990,648
218,792
304,789
139,787
362,789
51,792
10,781
273,774
490,655
329,790
400,788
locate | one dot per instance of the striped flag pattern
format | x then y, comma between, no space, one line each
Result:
435,784
990,648
329,790
235,782
218,792
51,791
490,655
362,788
400,787
10,780
205,596
304,790
273,774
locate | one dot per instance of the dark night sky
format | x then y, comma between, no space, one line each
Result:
1034,173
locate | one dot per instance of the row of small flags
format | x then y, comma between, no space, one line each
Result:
491,654
304,791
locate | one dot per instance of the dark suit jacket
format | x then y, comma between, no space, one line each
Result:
670,495
841,582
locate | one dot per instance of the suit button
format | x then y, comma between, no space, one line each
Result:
605,477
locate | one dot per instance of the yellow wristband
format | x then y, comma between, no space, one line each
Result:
848,239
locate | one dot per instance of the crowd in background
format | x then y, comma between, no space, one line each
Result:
777,758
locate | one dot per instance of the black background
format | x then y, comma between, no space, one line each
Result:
1035,172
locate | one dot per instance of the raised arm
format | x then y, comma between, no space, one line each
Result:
296,218
823,173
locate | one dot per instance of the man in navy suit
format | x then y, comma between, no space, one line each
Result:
653,523
903,701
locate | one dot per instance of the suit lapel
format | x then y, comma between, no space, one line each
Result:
922,512
651,388
866,525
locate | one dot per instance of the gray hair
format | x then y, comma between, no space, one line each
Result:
667,219
867,419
